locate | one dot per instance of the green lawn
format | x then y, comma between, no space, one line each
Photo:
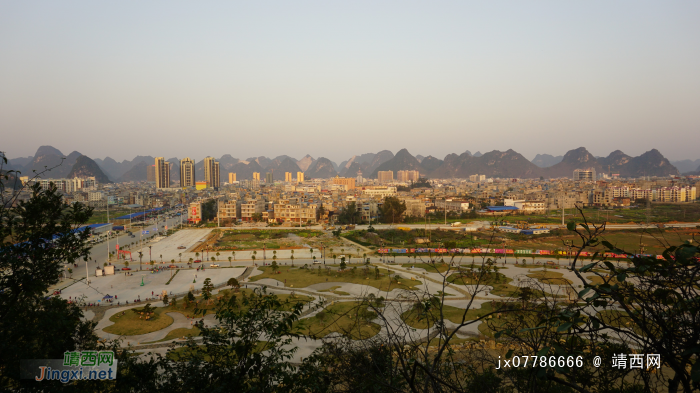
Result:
430,267
599,280
189,310
549,277
500,283
131,323
251,239
335,290
350,319
178,333
99,217
407,238
416,319
297,277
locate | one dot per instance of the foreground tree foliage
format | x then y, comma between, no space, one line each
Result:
248,350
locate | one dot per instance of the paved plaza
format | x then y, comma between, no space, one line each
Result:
129,288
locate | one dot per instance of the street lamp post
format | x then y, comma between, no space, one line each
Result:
109,232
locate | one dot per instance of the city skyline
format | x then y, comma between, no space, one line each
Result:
335,80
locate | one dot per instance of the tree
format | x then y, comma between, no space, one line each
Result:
229,262
342,263
126,263
249,349
209,210
348,215
207,288
274,265
652,303
392,209
165,300
140,258
232,282
36,236
233,254
161,258
180,255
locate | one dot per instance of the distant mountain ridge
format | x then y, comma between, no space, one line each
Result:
402,161
546,160
687,165
85,167
496,163
322,168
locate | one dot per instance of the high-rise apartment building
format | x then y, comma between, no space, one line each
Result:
300,177
187,172
406,176
211,172
151,173
256,176
288,177
162,173
268,178
385,176
584,174
231,177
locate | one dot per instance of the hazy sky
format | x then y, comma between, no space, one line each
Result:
337,78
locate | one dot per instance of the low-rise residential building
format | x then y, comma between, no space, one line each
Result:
452,205
414,207
194,212
287,212
379,192
251,207
229,210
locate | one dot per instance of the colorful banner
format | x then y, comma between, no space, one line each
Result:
502,251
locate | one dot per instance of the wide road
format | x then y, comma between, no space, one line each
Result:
440,226
98,252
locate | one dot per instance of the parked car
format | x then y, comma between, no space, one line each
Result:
198,261
213,265
181,248
172,266
126,268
